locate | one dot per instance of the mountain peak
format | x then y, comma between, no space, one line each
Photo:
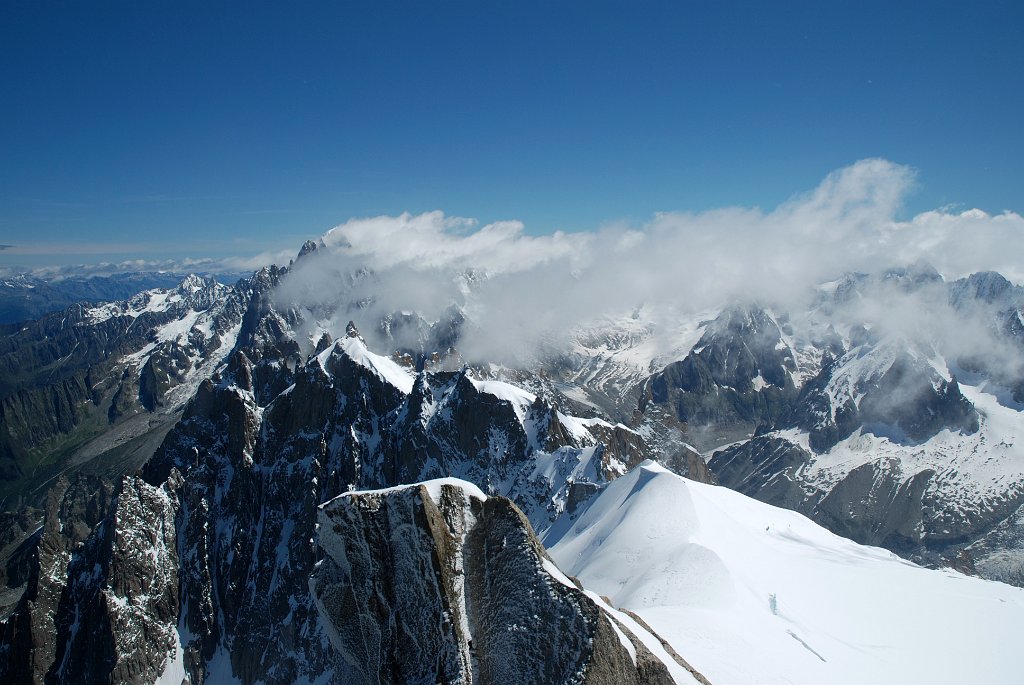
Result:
309,247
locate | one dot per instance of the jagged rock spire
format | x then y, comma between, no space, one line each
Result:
325,342
309,247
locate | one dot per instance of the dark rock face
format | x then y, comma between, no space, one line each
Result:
395,559
19,536
450,426
876,504
764,468
986,286
738,376
906,401
102,596
999,555
1002,304
712,393
160,373
688,462
475,590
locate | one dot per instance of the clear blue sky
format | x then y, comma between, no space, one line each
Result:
161,129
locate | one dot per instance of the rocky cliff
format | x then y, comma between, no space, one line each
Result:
439,583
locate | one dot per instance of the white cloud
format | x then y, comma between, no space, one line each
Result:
435,241
961,243
540,286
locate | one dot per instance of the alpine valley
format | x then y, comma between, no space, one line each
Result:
287,480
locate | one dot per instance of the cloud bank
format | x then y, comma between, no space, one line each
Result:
525,290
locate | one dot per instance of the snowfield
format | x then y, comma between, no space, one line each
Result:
750,593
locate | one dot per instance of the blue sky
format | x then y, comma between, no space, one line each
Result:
165,130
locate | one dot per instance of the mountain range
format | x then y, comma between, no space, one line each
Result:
28,295
212,483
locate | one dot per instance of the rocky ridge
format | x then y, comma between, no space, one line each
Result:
480,599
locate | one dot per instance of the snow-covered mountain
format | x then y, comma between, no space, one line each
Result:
172,454
26,296
902,438
886,407
103,384
752,593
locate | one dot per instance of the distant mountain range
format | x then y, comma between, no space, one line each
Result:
24,296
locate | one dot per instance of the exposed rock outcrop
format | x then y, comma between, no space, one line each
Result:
438,583
101,603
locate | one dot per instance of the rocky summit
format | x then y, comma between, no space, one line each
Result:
480,601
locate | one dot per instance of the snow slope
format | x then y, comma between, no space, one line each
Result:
753,593
383,367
